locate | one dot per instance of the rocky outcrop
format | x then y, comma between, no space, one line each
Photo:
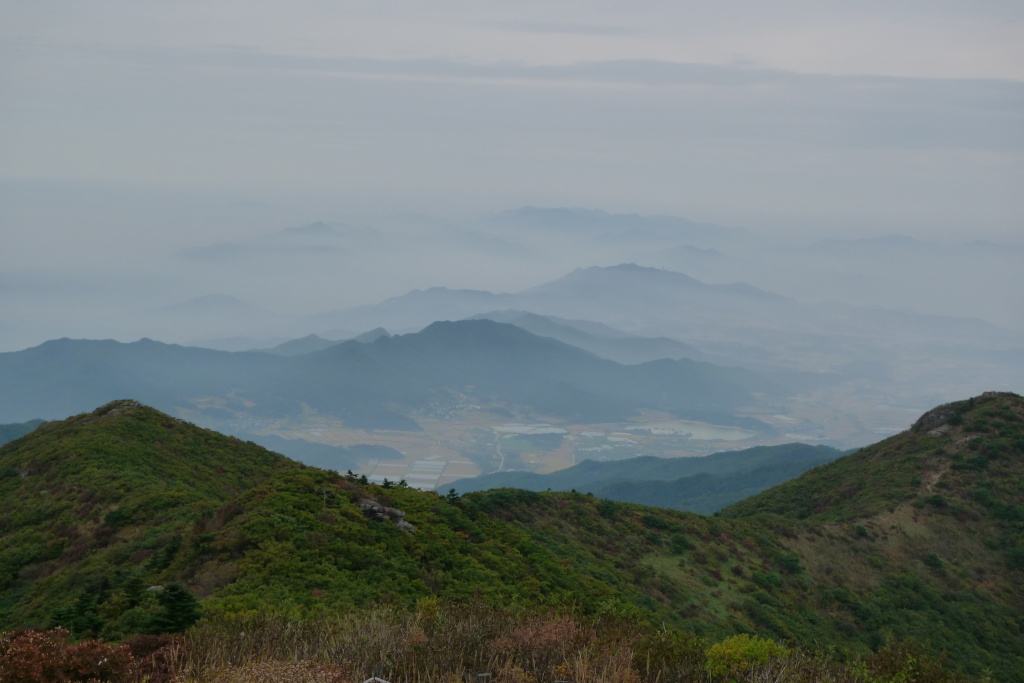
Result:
940,421
382,513
935,418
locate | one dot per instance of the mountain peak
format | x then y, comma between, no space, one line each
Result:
618,279
938,421
211,304
480,330
118,407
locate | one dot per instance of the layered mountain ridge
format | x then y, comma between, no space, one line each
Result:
375,385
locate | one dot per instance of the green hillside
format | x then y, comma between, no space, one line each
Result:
923,543
705,484
922,533
127,495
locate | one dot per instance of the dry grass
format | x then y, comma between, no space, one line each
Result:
440,643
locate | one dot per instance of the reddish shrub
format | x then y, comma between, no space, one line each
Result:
157,658
48,657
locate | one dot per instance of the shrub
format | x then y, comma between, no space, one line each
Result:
791,563
157,658
767,580
1015,558
736,655
905,662
48,657
607,509
276,671
118,518
680,544
654,521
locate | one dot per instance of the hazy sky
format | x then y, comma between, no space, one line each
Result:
132,131
819,116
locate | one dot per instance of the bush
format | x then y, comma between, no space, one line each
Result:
1015,558
680,544
654,521
767,580
118,518
157,658
736,655
48,657
791,563
905,662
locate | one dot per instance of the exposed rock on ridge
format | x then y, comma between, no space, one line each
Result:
382,513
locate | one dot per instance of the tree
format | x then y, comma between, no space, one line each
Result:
82,619
179,609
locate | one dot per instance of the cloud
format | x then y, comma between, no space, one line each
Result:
563,28
460,106
732,100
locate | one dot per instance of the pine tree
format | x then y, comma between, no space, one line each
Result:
179,609
81,618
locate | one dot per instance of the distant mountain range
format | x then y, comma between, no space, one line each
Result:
679,316
626,295
831,353
704,485
376,385
297,347
16,430
601,340
738,321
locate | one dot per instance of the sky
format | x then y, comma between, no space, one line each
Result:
131,128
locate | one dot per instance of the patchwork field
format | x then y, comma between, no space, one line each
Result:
466,443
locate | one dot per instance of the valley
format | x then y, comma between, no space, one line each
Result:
468,441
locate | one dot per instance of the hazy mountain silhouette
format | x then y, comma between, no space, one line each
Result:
600,340
373,385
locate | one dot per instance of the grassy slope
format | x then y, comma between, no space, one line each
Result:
85,496
922,533
923,542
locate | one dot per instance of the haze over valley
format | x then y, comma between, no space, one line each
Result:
604,362
517,341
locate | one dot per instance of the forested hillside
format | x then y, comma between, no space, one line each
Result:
918,537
